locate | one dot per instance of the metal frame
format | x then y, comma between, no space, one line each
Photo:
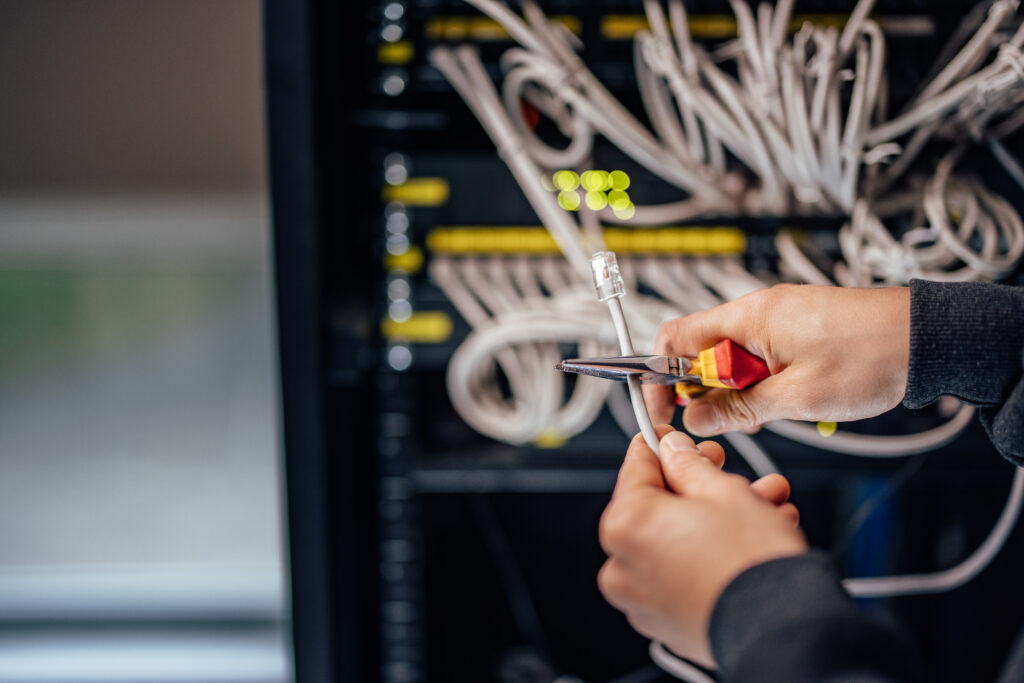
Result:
332,590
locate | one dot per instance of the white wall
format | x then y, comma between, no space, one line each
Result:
139,459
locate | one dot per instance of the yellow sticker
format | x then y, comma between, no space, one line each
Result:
550,439
482,28
418,192
409,261
706,26
536,240
395,53
423,327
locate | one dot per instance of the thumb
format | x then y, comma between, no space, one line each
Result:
686,470
728,410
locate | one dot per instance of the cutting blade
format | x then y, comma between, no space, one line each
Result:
648,369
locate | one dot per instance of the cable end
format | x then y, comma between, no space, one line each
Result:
607,278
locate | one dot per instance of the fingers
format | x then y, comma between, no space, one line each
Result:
689,335
687,471
773,488
713,451
791,512
728,410
641,468
613,584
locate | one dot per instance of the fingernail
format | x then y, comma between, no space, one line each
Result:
677,441
703,419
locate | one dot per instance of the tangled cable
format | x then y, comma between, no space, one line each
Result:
767,124
791,147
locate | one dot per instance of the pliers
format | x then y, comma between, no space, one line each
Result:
726,364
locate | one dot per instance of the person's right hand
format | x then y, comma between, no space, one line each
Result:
835,354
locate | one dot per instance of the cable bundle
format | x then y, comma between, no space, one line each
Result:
766,125
774,138
521,310
799,129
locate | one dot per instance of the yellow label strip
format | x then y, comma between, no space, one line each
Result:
409,261
418,192
535,240
723,26
422,327
398,53
482,28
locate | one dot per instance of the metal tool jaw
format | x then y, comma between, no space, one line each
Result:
648,369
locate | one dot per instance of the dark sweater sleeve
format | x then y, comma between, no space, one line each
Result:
791,620
967,340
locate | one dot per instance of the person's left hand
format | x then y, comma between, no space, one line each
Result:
679,530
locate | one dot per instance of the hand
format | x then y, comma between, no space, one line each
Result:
678,532
835,354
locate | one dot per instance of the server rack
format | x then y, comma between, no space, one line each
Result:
421,551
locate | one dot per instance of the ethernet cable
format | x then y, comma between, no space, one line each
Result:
988,241
1002,74
514,325
958,575
793,152
463,70
610,290
680,668
564,318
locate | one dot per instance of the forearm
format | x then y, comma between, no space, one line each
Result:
791,620
967,340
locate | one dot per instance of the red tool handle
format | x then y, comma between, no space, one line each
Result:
737,367
729,365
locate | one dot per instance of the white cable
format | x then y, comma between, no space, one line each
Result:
793,258
794,147
513,421
621,408
751,452
796,150
956,576
464,71
973,52
636,396
1006,160
581,138
610,289
680,668
875,446
787,149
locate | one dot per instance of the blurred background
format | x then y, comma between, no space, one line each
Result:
140,497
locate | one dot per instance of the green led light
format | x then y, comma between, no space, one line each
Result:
619,180
589,181
619,199
569,200
593,181
566,180
626,212
596,200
